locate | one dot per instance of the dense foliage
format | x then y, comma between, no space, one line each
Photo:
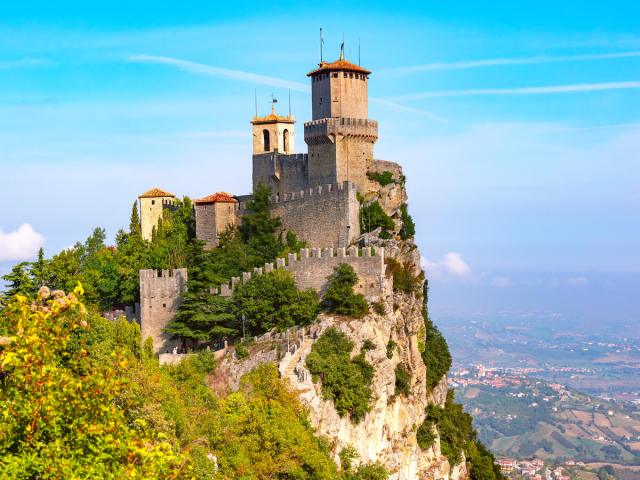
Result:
403,277
403,380
435,353
383,178
457,436
408,228
340,297
61,419
373,216
345,380
272,301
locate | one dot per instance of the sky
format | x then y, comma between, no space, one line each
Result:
517,125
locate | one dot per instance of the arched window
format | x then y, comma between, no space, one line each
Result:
285,137
266,143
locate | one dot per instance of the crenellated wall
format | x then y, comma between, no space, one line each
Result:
312,267
324,216
283,173
160,296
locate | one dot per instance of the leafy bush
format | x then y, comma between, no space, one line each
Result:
61,416
457,435
368,345
340,298
383,178
408,228
346,381
272,300
391,347
436,355
403,380
425,435
373,216
403,279
379,308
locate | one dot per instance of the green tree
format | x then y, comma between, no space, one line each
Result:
61,418
272,300
340,297
203,317
373,216
19,280
258,228
346,381
408,228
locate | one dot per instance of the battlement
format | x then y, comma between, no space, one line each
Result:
328,129
316,191
311,268
160,296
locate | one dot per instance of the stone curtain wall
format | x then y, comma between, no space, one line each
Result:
312,267
206,224
283,173
160,296
324,216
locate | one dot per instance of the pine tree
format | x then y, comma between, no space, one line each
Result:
201,316
20,281
134,224
258,229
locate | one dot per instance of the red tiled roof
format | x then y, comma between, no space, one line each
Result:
272,118
338,65
156,192
219,197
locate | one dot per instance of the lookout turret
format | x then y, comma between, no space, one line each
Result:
340,136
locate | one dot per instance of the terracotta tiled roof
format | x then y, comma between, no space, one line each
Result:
338,65
156,192
272,118
220,197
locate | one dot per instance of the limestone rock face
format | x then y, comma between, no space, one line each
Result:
387,434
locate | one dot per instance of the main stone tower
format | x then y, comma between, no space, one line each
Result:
340,137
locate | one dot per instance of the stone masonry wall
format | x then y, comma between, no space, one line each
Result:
325,216
160,296
312,267
284,173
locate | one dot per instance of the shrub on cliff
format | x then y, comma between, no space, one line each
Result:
373,216
340,297
345,381
457,435
436,354
408,228
383,178
403,380
272,301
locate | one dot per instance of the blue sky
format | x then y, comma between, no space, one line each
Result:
518,126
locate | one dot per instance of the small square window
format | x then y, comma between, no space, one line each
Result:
164,305
153,202
334,74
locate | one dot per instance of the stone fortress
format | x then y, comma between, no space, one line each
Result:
315,194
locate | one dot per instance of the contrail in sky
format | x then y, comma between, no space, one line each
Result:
578,87
221,72
496,62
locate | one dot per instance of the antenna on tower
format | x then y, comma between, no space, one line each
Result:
321,43
342,48
255,98
358,51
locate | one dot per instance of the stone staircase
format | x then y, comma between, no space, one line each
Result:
300,354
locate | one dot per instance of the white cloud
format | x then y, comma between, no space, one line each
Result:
21,244
577,87
452,265
577,281
495,62
213,71
501,281
23,63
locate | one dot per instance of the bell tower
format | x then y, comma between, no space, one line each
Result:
273,133
340,136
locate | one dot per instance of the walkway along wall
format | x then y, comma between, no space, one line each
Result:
312,267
